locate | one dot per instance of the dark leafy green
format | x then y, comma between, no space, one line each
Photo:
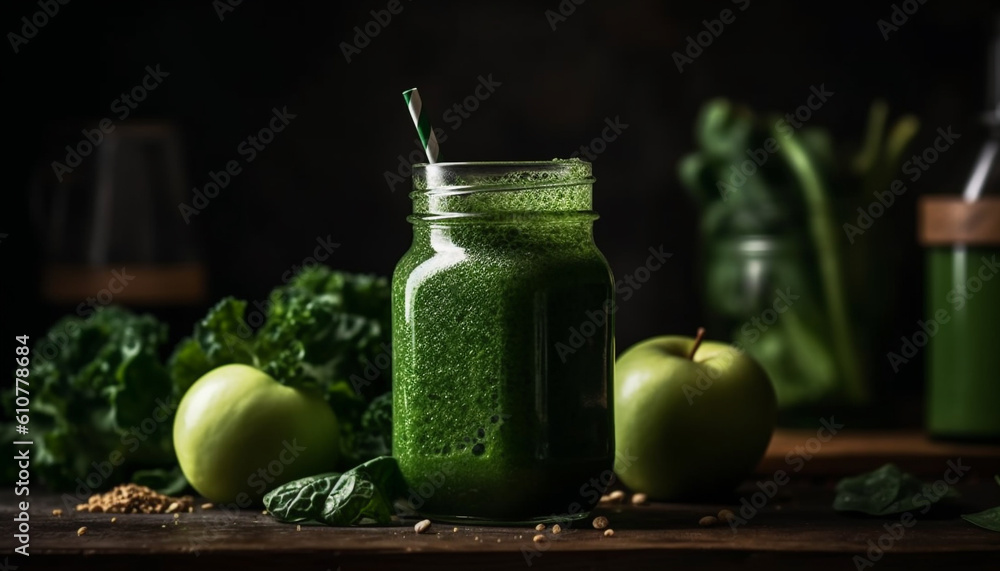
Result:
363,495
101,401
986,519
324,330
887,490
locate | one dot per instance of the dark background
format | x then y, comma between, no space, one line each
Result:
325,174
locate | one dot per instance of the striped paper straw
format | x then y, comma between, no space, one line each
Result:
424,129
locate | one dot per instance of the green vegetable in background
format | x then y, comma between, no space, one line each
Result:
886,491
987,519
321,332
773,199
101,403
362,495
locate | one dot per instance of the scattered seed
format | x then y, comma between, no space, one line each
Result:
600,522
190,509
539,538
498,540
263,512
57,512
609,532
176,522
476,538
556,528
639,499
177,516
616,496
422,525
114,519
726,515
540,527
207,506
96,509
298,527
454,530
81,531
708,521
172,507
605,499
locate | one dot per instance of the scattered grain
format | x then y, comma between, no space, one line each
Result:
726,516
298,527
609,532
708,521
600,522
207,506
422,525
57,512
539,538
81,531
616,496
132,498
639,499
556,529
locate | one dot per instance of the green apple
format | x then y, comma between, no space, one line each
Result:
696,417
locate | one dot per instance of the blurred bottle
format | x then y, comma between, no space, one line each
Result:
109,226
961,233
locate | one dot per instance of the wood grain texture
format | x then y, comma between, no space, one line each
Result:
795,528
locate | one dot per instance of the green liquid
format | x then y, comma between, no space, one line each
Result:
963,386
501,413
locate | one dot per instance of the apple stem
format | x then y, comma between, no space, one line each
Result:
697,343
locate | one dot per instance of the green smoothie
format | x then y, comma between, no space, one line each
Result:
503,344
963,388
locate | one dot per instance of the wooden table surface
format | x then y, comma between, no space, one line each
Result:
795,529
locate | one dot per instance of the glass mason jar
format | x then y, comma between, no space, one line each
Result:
761,292
503,344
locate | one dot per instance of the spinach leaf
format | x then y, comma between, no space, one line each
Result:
887,490
987,519
362,495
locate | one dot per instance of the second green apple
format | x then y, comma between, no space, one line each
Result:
697,416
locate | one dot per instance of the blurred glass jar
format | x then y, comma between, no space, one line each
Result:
764,295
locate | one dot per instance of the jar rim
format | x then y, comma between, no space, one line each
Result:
499,175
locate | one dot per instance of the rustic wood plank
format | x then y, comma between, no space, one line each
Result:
854,451
795,528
